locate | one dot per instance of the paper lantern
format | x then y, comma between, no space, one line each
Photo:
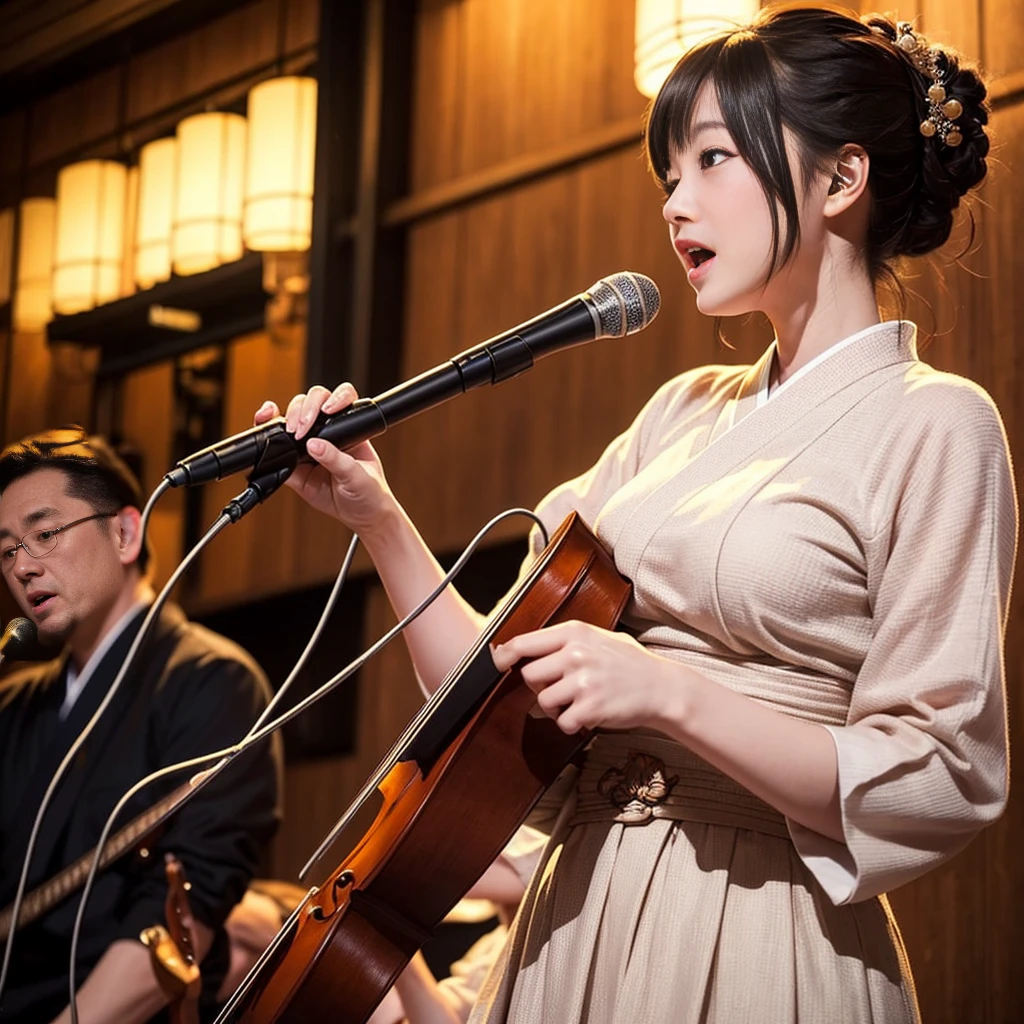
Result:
32,304
89,243
666,29
131,218
279,165
154,218
6,253
207,228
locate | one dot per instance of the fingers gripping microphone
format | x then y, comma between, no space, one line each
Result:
615,306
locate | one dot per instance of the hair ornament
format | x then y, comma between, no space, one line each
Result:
942,111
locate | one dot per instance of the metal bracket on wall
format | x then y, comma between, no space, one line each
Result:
168,319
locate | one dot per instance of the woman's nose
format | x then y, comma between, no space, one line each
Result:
678,206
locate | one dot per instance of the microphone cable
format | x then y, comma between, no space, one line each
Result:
262,729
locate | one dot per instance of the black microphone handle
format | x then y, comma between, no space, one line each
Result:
269,450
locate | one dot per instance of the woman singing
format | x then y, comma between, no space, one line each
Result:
806,706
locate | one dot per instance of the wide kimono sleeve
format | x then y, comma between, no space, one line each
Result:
922,759
209,701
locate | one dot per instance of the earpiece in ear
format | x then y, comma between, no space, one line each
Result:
838,181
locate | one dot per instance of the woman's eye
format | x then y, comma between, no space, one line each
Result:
45,535
668,187
7,554
712,157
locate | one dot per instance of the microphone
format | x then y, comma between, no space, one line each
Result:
615,306
20,640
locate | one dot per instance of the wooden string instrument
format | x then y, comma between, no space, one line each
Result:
461,780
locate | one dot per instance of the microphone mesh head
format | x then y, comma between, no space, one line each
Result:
625,303
19,639
19,629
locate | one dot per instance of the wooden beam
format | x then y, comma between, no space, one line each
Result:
513,173
1005,92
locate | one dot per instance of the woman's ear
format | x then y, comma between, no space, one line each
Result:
849,179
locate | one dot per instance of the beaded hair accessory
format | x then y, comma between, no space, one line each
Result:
942,112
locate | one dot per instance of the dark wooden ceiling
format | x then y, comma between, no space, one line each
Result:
48,44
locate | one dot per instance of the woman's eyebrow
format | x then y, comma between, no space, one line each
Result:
707,126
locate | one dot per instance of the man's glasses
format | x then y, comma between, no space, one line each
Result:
42,542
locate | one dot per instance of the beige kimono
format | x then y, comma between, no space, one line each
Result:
842,553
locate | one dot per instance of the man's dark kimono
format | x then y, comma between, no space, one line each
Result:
190,692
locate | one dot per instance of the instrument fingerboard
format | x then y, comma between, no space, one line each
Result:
73,877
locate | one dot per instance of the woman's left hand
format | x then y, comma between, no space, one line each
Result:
588,678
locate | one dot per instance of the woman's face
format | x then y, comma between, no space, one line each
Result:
720,224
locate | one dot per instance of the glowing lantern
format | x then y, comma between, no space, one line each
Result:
279,165
89,235
207,227
666,29
157,163
32,310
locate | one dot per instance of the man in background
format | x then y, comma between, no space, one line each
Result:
73,557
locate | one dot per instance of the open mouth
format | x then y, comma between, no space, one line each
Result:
696,255
39,600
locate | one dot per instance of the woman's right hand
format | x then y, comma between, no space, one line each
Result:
348,485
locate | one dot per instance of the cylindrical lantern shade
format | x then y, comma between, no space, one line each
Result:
131,216
279,165
157,164
32,295
666,29
208,192
6,253
89,235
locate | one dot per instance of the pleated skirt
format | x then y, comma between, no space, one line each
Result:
639,913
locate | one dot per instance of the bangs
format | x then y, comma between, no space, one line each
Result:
739,67
671,115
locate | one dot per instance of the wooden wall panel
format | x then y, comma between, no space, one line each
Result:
1003,27
64,121
148,425
256,556
28,386
500,78
12,155
228,46
302,23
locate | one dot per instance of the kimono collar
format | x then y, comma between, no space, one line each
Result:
876,345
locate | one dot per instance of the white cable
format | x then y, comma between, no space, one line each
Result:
261,731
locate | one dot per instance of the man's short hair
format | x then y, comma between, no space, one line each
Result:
95,473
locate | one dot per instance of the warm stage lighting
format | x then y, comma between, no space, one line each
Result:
157,162
32,303
279,166
89,235
666,29
208,192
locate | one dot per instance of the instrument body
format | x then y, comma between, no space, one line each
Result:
450,805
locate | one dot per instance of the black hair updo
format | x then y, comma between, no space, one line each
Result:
833,79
